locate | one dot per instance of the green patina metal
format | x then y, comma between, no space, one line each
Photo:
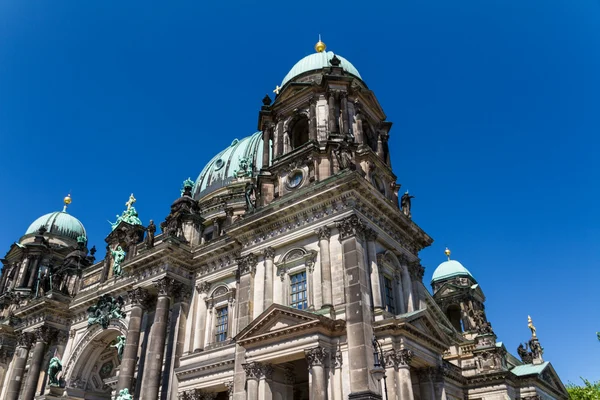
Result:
58,223
130,216
106,308
317,61
187,184
118,256
53,369
245,168
124,395
120,346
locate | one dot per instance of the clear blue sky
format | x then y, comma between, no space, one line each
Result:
495,106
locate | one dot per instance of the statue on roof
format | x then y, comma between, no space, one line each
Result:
530,326
343,154
406,204
250,195
129,216
130,202
150,231
118,256
186,189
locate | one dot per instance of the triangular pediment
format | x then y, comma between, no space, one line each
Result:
278,320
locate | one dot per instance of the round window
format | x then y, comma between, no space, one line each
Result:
219,164
295,179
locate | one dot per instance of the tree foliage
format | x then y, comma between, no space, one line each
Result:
587,391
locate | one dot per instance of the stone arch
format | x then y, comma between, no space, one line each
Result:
299,127
293,254
219,290
370,135
403,276
87,351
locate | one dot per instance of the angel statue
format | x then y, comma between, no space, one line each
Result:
120,346
119,256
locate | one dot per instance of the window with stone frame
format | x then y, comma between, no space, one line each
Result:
388,291
222,323
298,291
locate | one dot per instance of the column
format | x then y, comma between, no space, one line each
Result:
200,321
210,322
290,379
156,343
267,135
338,389
333,121
264,382
24,342
316,369
29,260
253,372
324,234
42,338
391,381
269,255
371,237
34,272
438,383
400,296
278,140
310,283
358,306
344,112
359,135
403,358
231,315
425,383
138,298
229,386
312,121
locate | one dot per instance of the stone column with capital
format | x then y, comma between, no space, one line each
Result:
269,255
316,366
267,136
333,120
253,373
358,308
336,364
426,382
264,382
371,237
344,111
43,335
324,234
24,342
200,317
312,121
138,298
401,362
158,334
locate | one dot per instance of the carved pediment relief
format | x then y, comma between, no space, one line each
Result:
280,321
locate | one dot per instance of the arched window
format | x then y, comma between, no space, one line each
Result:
453,314
220,313
299,132
395,284
295,270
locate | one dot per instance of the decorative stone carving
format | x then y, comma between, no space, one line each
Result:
247,264
337,359
324,233
44,334
185,208
350,226
166,286
370,234
229,386
290,375
138,296
397,358
316,356
25,339
267,371
269,253
106,309
253,370
203,287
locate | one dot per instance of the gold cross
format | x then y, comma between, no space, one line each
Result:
130,202
277,89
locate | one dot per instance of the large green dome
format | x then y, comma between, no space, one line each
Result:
317,61
450,269
221,170
58,223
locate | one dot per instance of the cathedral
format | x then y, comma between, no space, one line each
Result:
289,269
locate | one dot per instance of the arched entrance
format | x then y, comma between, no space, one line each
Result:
91,370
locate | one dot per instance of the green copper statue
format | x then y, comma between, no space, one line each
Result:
124,395
130,215
53,369
118,256
120,346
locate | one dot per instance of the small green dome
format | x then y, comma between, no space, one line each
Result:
449,269
58,223
221,170
317,61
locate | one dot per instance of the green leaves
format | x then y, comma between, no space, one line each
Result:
589,391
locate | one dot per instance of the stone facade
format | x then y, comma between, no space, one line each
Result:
298,280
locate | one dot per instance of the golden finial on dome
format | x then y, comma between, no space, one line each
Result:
320,46
67,200
447,252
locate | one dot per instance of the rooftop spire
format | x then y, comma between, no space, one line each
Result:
67,200
447,252
320,46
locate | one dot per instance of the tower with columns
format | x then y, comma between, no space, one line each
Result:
289,269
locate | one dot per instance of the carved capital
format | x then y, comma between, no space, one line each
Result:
203,287
269,253
44,334
229,386
416,271
316,356
324,233
25,339
253,370
62,337
351,226
166,286
337,359
138,297
247,264
290,375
